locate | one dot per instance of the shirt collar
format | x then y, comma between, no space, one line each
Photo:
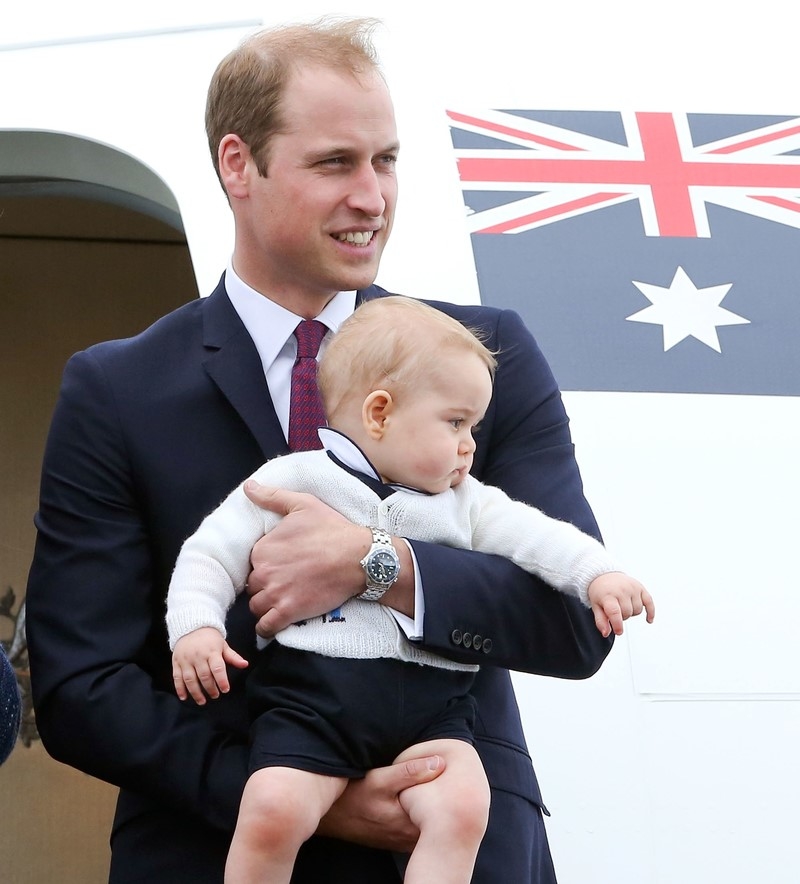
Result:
269,324
351,456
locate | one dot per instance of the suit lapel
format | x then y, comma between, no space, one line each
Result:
233,364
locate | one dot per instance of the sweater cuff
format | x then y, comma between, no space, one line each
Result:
590,570
182,622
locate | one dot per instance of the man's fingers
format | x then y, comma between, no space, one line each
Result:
277,500
262,495
422,770
409,772
270,624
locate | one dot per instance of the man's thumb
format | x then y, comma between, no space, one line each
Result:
423,770
268,498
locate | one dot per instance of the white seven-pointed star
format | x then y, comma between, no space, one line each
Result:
685,310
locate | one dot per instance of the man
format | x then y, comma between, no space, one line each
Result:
151,433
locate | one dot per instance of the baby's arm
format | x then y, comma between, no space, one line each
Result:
615,597
198,665
558,553
213,564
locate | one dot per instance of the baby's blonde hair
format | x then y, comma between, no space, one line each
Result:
393,344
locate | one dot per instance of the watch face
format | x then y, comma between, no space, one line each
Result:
382,567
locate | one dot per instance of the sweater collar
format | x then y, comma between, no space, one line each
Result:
349,456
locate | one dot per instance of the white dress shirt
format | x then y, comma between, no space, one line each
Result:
272,329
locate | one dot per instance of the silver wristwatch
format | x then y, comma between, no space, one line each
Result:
381,566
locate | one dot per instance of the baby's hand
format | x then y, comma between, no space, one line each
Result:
198,665
615,597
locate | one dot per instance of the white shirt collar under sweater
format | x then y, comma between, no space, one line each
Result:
272,329
347,452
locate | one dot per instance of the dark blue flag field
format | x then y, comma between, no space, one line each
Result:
646,251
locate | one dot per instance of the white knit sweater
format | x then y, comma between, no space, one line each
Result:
214,563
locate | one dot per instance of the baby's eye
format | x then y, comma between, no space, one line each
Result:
456,422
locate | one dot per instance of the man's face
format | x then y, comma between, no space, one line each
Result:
319,221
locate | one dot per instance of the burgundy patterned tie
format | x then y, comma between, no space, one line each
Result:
305,404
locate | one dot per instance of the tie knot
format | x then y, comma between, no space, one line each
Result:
309,334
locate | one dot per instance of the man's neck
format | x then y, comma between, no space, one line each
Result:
301,302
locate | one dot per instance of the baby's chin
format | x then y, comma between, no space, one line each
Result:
446,484
434,486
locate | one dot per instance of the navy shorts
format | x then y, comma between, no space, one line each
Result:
342,717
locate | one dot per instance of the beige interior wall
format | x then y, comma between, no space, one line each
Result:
57,295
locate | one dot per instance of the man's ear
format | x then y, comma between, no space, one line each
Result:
375,411
233,155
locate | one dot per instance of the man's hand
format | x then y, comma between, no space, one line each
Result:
369,811
615,597
307,565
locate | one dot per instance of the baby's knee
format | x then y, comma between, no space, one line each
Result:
461,810
275,816
469,816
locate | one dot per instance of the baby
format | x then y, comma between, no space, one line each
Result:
404,387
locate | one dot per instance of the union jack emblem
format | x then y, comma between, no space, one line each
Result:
558,173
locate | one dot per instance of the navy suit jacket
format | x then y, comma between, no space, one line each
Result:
10,707
148,436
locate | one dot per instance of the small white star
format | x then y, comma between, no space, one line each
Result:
686,311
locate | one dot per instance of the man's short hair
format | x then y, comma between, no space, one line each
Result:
244,97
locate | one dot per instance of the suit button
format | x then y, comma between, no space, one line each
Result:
487,646
467,640
477,641
455,637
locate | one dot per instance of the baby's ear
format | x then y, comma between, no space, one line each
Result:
376,409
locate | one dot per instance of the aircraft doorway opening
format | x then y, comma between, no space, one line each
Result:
92,247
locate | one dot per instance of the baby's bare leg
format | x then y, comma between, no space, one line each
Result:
451,813
281,808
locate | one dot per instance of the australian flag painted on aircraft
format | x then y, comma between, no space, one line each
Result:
646,251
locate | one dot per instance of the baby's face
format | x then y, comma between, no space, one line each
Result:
427,441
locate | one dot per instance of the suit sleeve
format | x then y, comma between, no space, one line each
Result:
528,453
95,624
